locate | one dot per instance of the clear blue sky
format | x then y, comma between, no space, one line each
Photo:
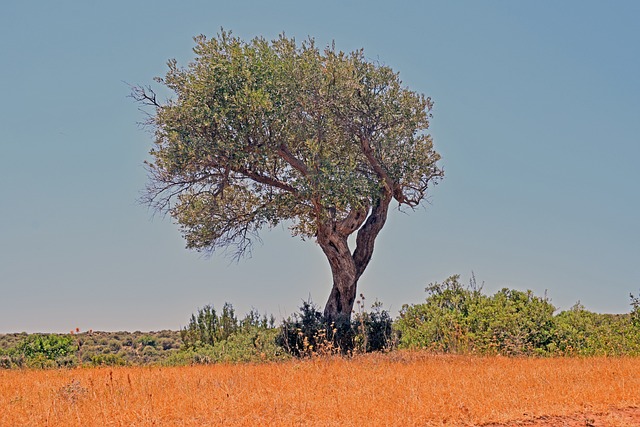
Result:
537,112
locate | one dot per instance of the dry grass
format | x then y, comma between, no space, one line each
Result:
401,388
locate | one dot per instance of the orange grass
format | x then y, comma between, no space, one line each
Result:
400,388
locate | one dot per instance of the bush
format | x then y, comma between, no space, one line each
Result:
213,338
44,351
307,333
108,360
581,332
147,341
461,319
207,327
114,345
48,346
374,330
441,323
635,310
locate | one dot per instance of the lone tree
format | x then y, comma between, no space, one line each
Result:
270,131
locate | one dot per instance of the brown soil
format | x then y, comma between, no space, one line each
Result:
616,417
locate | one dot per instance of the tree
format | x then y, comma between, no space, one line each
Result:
262,132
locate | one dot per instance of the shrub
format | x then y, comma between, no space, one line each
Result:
441,323
212,338
167,343
46,351
147,341
581,332
635,310
374,330
107,360
149,351
460,319
307,333
207,327
114,345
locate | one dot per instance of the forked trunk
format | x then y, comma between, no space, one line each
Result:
343,269
347,267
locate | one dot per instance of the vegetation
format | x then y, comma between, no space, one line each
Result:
454,318
212,338
310,333
87,348
263,132
461,319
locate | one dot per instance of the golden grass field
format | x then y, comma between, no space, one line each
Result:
395,389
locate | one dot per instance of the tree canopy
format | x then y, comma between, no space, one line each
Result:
262,132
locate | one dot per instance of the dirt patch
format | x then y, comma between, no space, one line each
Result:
616,417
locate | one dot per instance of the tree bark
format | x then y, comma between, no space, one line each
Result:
347,267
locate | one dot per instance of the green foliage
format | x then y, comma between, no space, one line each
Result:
108,360
87,348
635,310
454,319
584,333
49,346
462,319
251,344
207,327
145,341
37,351
459,319
261,132
213,338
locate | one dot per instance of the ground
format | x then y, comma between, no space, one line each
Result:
629,417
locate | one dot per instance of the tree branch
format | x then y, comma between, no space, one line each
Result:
267,180
352,222
144,95
391,187
367,234
295,163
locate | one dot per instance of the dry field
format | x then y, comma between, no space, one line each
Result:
397,389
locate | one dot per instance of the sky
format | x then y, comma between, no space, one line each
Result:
537,112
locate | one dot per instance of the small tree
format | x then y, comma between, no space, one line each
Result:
264,132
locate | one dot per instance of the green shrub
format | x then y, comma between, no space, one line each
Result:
442,323
107,360
114,345
167,343
213,338
45,351
635,310
147,341
460,319
581,332
207,327
149,351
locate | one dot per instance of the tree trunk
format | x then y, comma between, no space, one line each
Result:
343,269
340,303
347,267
